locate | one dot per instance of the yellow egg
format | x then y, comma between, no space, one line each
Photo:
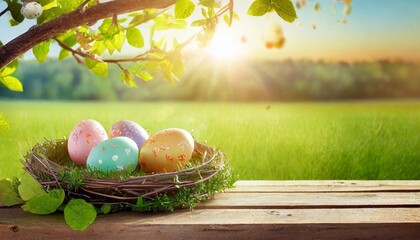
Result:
166,151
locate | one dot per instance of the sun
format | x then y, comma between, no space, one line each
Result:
224,46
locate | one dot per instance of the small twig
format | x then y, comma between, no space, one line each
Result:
4,11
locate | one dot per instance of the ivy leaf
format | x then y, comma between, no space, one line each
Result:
134,37
285,9
184,8
14,7
9,69
79,214
29,187
260,7
99,68
41,51
12,83
45,203
8,196
128,78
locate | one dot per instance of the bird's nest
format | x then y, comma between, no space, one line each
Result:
206,174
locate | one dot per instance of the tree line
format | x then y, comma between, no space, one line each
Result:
205,79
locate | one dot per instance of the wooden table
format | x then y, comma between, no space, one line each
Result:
254,210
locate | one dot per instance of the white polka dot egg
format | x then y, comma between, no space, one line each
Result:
31,10
114,154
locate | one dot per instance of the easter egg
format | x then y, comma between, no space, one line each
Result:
114,154
166,151
129,129
31,10
83,138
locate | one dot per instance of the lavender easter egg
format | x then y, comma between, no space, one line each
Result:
130,129
83,138
166,151
114,154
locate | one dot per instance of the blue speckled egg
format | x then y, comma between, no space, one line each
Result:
130,129
114,154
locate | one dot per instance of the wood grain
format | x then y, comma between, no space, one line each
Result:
326,186
313,200
395,223
253,210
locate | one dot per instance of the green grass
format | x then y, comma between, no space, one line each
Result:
356,140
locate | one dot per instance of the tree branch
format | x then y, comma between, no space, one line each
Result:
78,17
76,52
4,11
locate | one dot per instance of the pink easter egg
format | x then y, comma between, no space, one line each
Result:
85,136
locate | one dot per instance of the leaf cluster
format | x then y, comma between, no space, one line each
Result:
89,43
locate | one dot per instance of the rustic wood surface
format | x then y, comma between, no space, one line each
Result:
254,210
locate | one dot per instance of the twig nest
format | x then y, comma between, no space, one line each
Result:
31,10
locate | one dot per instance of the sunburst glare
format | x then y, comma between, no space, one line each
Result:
224,45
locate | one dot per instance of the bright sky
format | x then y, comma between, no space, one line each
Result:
375,29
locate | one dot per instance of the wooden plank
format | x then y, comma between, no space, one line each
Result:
313,200
394,223
326,186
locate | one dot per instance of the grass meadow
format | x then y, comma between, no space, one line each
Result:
351,140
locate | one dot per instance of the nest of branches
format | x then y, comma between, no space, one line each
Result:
206,174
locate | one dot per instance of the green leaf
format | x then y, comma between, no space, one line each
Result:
134,37
12,83
118,40
14,7
184,8
144,75
79,214
8,196
166,21
13,23
209,3
128,78
64,6
167,72
106,208
9,69
99,68
286,10
41,51
63,54
4,125
140,202
98,47
110,46
260,7
50,5
45,203
140,73
199,22
29,187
